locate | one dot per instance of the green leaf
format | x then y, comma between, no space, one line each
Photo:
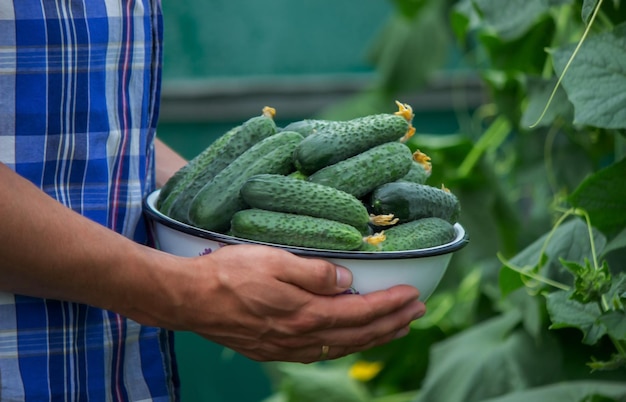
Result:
512,18
539,91
618,242
570,242
519,57
492,138
596,79
320,382
616,296
489,359
509,281
587,10
615,323
568,391
566,312
532,309
463,19
603,196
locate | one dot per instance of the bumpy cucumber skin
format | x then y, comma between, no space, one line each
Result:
294,230
307,127
418,234
217,201
368,170
417,174
212,160
188,173
287,194
331,145
409,201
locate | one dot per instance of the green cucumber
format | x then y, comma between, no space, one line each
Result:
297,196
368,170
418,234
342,141
198,171
294,230
409,201
421,168
307,127
217,201
188,173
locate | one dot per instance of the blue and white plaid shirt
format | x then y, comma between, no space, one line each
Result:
79,93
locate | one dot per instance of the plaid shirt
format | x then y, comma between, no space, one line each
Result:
79,92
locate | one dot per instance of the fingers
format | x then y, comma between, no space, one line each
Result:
351,325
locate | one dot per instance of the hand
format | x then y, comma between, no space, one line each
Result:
269,304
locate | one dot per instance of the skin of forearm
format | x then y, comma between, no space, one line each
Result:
50,251
168,162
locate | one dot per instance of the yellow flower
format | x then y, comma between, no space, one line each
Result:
365,371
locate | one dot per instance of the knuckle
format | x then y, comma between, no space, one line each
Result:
323,273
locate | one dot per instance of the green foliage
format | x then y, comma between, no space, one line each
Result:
534,308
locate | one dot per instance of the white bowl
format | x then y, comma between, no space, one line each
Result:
371,271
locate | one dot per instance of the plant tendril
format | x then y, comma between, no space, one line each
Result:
569,62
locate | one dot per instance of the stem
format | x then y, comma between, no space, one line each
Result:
532,275
590,232
621,349
554,228
492,138
569,62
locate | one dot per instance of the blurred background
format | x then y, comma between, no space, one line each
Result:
477,74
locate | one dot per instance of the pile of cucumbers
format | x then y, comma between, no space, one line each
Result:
322,184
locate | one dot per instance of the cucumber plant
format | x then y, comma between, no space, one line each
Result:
534,308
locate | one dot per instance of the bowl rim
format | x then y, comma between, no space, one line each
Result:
154,215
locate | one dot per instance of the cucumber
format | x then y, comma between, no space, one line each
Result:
368,170
213,159
294,230
421,168
417,234
307,127
409,201
188,173
217,201
297,196
333,144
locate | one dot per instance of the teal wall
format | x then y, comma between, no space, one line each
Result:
225,38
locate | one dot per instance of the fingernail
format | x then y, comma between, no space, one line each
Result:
403,332
344,277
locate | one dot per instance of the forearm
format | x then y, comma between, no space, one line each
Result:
49,251
168,162
261,301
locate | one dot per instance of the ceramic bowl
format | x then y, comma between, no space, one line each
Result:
371,271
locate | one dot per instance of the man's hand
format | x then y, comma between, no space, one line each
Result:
269,304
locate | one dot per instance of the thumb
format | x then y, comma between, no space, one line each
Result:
318,276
